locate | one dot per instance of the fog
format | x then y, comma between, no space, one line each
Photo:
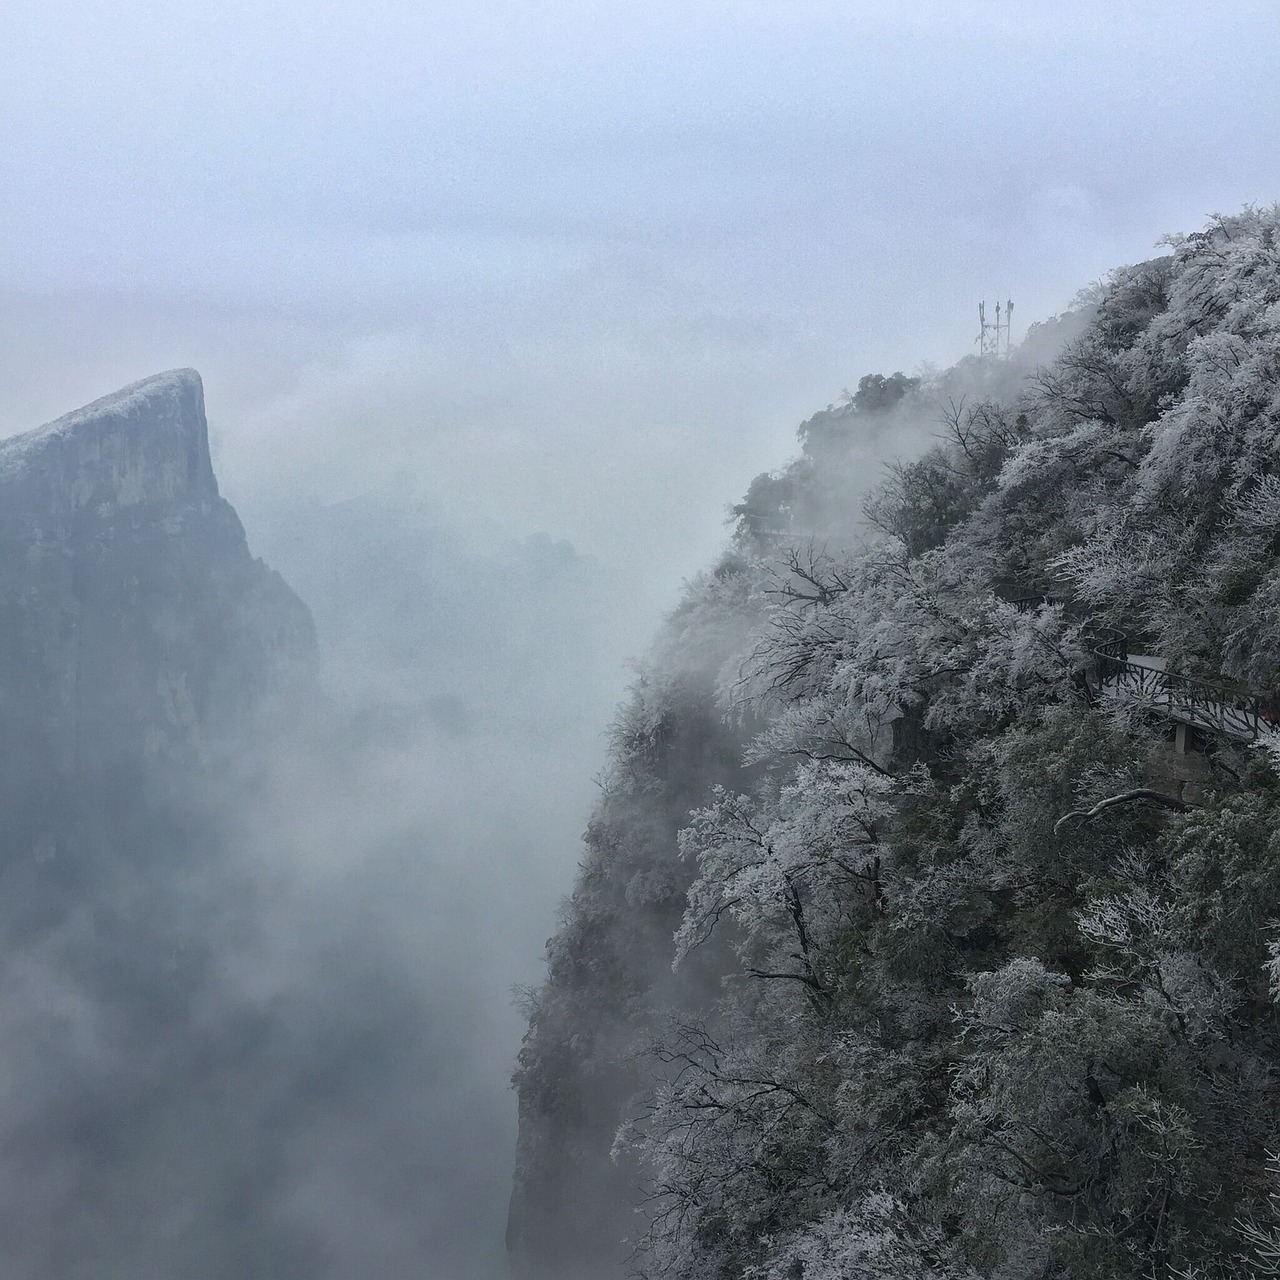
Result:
497,309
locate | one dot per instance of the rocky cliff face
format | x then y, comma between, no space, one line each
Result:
136,629
610,982
141,646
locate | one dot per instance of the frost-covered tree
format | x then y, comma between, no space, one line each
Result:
969,980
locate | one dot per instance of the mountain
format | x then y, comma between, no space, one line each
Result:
927,925
136,626
144,651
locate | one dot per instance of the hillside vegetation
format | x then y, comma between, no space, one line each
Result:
903,946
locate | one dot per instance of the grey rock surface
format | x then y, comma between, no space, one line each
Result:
135,626
141,646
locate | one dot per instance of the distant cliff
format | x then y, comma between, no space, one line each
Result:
143,649
136,628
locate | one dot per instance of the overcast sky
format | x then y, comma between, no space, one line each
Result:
565,267
581,267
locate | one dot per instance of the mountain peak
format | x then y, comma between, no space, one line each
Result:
147,443
146,394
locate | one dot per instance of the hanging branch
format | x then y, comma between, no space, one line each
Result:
1139,795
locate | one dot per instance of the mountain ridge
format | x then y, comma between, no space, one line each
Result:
137,630
145,443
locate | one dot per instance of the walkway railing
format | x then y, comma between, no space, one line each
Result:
1219,708
1204,704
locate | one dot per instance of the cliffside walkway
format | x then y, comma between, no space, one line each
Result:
1240,715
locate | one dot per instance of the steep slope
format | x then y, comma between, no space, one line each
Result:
998,959
136,627
687,728
610,961
142,646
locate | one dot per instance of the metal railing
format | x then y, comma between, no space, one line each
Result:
1240,714
1235,713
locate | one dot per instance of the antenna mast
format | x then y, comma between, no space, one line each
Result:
996,339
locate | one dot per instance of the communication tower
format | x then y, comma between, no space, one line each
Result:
995,339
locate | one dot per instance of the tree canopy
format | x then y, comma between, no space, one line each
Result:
918,1024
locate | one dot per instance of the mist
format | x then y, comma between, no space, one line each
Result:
497,314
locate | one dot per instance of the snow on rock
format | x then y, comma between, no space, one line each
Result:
147,443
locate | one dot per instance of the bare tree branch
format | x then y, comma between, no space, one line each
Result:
1139,795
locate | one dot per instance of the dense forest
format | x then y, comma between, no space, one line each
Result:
911,939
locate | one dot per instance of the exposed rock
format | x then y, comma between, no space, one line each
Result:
140,641
146,445
135,625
